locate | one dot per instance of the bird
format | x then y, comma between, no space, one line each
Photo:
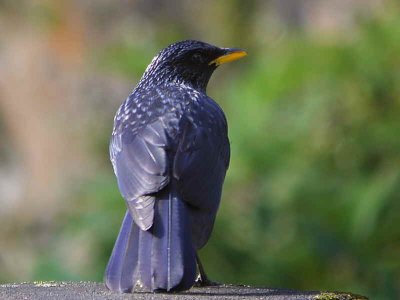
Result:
170,151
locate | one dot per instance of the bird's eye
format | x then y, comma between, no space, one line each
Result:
198,58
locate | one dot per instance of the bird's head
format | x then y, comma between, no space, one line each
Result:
189,63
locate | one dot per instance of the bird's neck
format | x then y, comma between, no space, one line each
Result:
152,78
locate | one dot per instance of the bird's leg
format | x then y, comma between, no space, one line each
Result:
202,279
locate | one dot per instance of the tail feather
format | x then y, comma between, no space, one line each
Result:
173,252
161,258
144,270
124,258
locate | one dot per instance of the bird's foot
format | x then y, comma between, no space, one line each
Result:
202,282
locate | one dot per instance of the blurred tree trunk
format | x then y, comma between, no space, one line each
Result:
35,102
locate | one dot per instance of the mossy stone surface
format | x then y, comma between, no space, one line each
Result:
93,290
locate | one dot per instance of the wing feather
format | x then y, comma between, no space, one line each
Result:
200,166
140,164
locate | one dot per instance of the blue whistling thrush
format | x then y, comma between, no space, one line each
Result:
170,152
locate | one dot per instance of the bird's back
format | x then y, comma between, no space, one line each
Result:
193,124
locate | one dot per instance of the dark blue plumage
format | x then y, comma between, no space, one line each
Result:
170,152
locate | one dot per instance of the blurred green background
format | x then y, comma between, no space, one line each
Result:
311,199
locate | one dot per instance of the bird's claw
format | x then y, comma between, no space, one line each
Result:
203,282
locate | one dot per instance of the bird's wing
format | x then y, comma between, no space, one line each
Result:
200,166
140,164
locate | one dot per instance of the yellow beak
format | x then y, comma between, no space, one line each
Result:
232,55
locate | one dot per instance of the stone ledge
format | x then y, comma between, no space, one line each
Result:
93,290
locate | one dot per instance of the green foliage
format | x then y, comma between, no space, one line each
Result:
85,234
314,182
123,57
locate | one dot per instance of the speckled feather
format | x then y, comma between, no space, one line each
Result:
170,152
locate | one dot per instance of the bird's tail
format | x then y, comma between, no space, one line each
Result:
161,258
